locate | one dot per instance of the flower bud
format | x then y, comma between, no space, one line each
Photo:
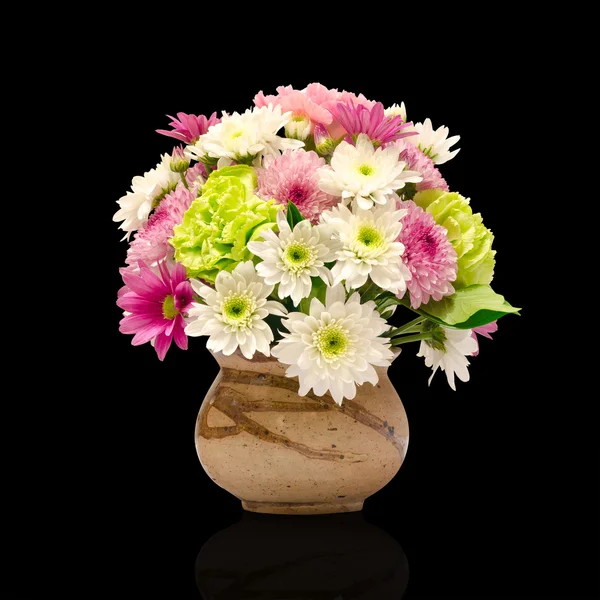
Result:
298,127
324,144
179,161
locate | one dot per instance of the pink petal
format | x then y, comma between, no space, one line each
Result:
162,345
133,323
178,275
133,303
175,134
184,296
179,333
148,333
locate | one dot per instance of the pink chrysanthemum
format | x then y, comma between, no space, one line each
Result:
195,177
157,306
484,331
293,176
188,128
428,254
151,244
381,129
417,161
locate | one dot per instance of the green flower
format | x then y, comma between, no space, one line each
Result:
217,227
471,239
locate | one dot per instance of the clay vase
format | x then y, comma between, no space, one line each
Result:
281,453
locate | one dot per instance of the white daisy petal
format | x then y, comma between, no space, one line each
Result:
234,314
368,247
247,136
458,345
434,143
135,206
364,174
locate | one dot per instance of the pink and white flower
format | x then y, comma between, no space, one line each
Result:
309,107
428,255
294,176
151,244
423,165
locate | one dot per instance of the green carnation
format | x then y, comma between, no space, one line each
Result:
471,239
217,227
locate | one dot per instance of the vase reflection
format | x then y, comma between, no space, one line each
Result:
328,557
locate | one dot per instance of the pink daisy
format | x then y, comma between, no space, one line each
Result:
188,128
381,129
151,244
293,176
417,161
428,254
484,331
157,306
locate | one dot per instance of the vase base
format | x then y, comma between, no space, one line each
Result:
302,508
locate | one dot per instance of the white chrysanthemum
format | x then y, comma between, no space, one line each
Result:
135,206
364,174
242,137
395,110
234,312
369,247
293,257
335,346
434,143
458,345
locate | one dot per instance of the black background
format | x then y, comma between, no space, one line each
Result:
498,495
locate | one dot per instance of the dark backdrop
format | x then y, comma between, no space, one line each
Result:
498,493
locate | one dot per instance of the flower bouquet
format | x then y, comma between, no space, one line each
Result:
296,229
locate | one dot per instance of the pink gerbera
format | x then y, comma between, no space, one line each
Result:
484,331
188,128
381,129
428,254
151,244
417,161
156,306
293,176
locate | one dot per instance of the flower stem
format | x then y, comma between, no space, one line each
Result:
187,187
410,326
369,291
411,338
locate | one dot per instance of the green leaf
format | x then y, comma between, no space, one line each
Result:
469,307
293,215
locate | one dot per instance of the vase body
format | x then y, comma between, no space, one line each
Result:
281,453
